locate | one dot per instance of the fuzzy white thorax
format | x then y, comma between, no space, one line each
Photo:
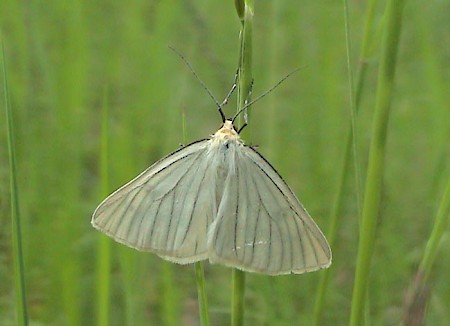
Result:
227,132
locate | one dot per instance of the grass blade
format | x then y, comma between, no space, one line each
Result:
352,109
440,226
104,245
19,277
419,290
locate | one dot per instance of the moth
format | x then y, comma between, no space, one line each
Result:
218,200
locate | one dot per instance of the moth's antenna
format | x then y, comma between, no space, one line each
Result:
219,106
233,88
266,92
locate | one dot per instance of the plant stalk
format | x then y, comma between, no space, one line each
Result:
350,144
245,10
374,179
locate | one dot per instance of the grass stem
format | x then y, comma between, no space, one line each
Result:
237,312
245,10
350,143
372,195
201,292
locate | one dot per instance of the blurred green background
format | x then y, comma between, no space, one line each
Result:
64,56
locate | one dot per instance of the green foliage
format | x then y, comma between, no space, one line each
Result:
61,55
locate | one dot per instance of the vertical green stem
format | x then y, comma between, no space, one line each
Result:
170,316
104,245
245,76
201,291
375,169
339,196
245,10
19,278
237,312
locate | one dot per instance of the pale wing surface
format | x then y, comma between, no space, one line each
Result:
166,209
261,226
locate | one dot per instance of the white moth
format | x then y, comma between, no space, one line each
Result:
220,200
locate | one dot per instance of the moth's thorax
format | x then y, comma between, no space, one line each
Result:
226,133
224,148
